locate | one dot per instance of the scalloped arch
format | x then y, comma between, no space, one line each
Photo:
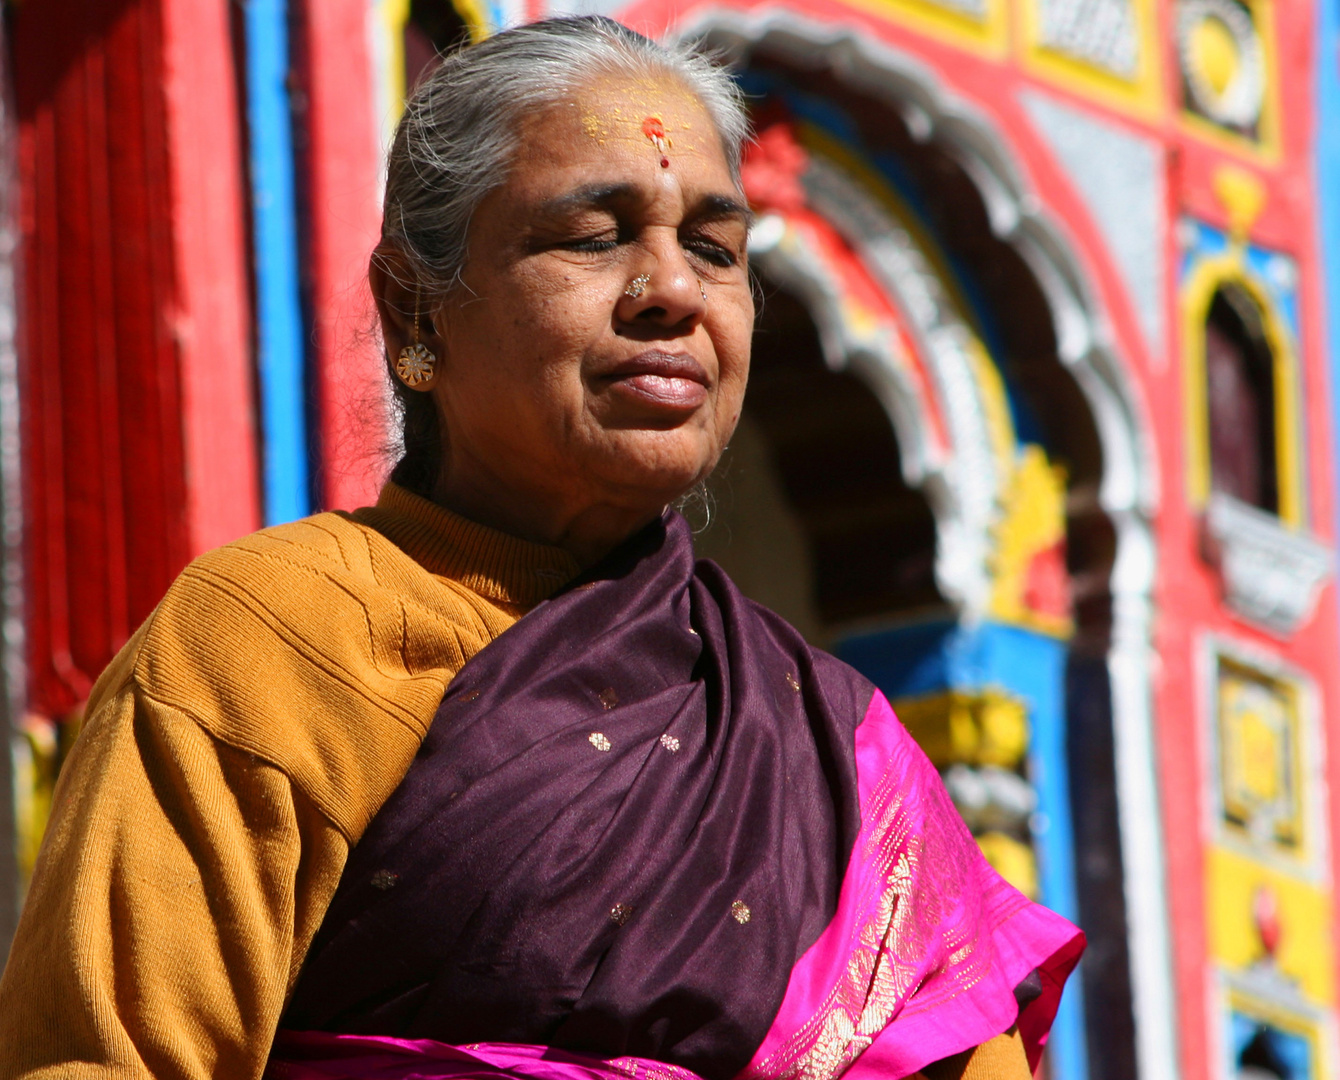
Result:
1017,215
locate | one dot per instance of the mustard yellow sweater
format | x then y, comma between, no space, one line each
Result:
233,753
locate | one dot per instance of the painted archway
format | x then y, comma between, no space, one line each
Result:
870,284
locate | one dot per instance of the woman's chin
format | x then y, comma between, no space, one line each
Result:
659,470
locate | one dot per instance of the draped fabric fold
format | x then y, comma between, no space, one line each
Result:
652,832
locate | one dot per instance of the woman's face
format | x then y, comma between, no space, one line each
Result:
562,386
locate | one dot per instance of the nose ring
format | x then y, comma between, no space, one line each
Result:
637,286
702,290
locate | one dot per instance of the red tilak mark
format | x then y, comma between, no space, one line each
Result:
654,130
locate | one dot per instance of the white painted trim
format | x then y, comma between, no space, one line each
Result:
1272,575
789,260
968,507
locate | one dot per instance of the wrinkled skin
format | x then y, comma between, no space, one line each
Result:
573,412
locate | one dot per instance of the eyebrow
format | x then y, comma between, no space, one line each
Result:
601,196
719,207
589,196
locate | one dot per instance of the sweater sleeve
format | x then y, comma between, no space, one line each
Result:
180,883
234,751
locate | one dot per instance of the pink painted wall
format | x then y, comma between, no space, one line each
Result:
211,318
344,203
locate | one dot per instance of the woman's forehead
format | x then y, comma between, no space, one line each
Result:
620,131
658,111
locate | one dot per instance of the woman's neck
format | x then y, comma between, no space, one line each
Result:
587,533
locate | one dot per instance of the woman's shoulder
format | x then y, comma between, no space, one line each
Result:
317,646
276,563
326,586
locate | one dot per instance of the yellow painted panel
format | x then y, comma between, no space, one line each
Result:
476,17
391,18
989,727
1032,524
1266,146
1305,952
1260,755
988,35
1012,860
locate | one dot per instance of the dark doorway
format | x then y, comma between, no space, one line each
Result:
1240,395
434,27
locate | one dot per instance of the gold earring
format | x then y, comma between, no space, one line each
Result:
637,286
416,361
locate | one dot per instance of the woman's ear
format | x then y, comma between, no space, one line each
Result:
405,317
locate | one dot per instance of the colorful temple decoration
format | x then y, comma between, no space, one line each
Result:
1041,431
1268,886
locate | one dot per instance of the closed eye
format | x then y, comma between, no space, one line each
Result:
712,252
592,244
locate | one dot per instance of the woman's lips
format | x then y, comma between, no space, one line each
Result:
666,380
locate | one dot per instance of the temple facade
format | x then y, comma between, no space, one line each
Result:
1040,434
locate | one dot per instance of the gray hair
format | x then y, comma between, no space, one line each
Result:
456,141
459,131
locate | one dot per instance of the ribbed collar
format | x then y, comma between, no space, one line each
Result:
486,561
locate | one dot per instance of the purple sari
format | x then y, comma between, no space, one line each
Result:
653,834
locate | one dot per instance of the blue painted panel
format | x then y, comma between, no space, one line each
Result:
1274,271
907,662
280,339
1328,187
1286,1052
931,657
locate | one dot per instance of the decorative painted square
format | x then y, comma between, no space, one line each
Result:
1103,49
1104,33
1270,931
1225,63
1259,759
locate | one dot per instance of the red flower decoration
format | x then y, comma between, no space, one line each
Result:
772,169
1047,583
1266,915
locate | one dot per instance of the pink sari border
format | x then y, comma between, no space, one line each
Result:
319,1055
990,1010
941,1000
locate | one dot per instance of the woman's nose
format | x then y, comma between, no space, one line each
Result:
666,292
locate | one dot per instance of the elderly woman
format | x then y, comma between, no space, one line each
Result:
493,780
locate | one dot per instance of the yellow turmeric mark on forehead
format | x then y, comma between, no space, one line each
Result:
647,109
595,128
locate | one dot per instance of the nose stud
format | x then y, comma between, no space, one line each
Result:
637,286
702,290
